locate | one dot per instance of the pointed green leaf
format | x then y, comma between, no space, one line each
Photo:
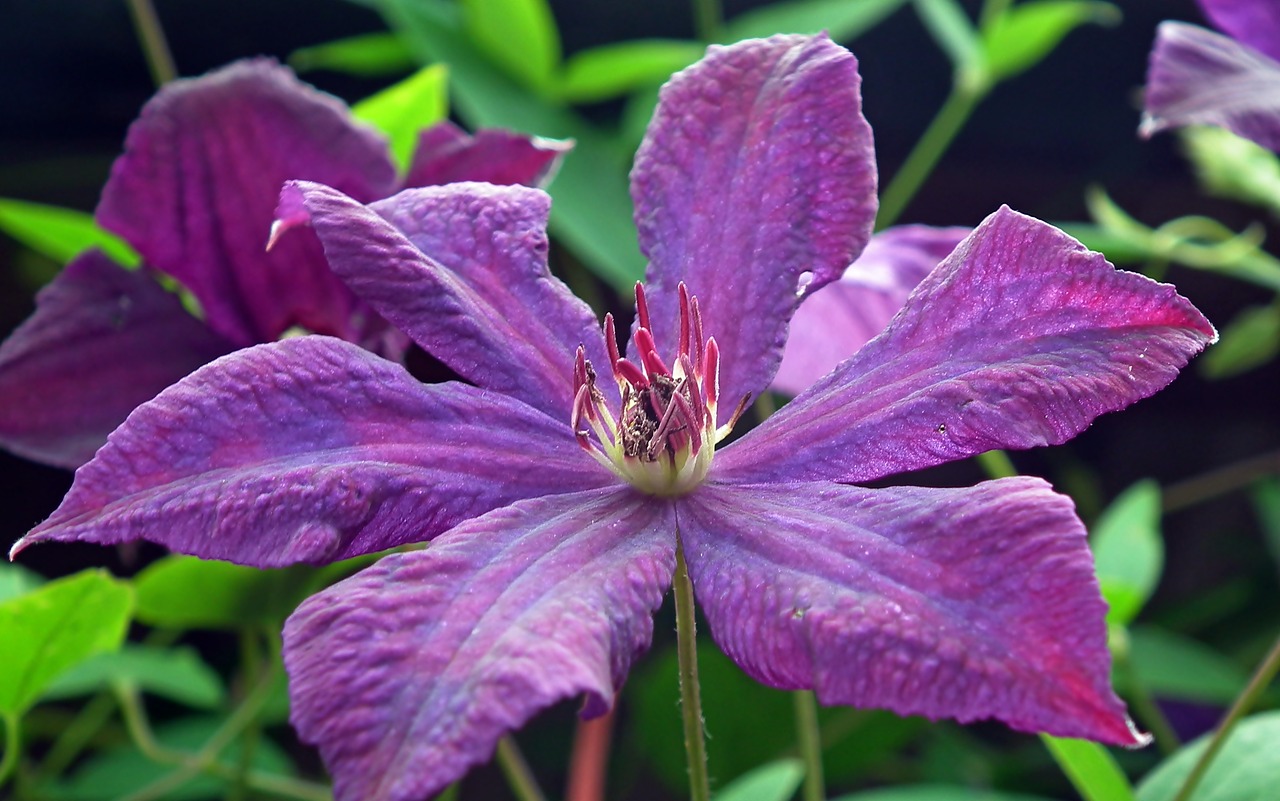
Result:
843,20
1129,551
936,792
951,28
60,233
16,580
617,69
776,781
51,629
1246,769
1170,665
519,36
369,55
1023,35
1231,166
403,109
184,592
1250,340
1092,769
177,674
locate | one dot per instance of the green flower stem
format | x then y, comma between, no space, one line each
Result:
12,745
519,777
1220,481
1247,698
695,745
154,46
76,736
924,156
997,464
810,743
708,19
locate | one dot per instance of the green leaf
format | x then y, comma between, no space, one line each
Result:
1266,502
519,36
936,792
617,69
951,28
1246,769
1173,666
1250,340
403,109
1023,35
184,592
1233,167
843,20
776,781
53,628
1091,768
1119,248
1128,550
16,580
369,55
60,233
176,673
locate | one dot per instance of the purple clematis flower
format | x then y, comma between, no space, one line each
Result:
831,325
559,485
194,193
1198,77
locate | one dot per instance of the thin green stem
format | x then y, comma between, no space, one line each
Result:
78,733
926,153
1220,481
519,777
154,46
708,19
1243,703
810,743
997,464
12,745
695,745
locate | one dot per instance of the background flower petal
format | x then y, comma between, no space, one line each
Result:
1198,77
1020,338
195,193
447,154
1254,22
962,603
832,324
462,269
312,450
755,184
407,674
102,340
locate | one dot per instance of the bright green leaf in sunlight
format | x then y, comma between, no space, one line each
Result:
369,55
520,36
184,592
1246,769
1128,550
1231,166
55,627
16,580
841,19
776,781
617,69
1092,769
60,233
936,792
1024,34
1250,340
1171,665
403,109
175,673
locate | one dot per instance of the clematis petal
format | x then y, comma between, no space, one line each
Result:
407,674
755,185
312,450
446,154
962,603
462,269
832,324
102,340
1198,77
195,194
1019,339
1253,22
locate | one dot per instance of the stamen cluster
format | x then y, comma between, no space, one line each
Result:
665,434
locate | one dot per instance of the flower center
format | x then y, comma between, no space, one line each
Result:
664,437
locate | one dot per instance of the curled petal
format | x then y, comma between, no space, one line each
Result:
1254,22
1198,77
196,188
407,674
102,340
961,603
446,154
755,184
312,450
1019,339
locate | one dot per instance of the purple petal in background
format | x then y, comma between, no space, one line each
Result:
312,450
462,269
755,183
101,341
1198,77
1254,22
1020,338
407,674
833,323
446,154
962,603
196,188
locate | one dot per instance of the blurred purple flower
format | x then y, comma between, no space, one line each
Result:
556,497
195,193
1198,77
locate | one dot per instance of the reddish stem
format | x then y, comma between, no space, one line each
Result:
590,758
